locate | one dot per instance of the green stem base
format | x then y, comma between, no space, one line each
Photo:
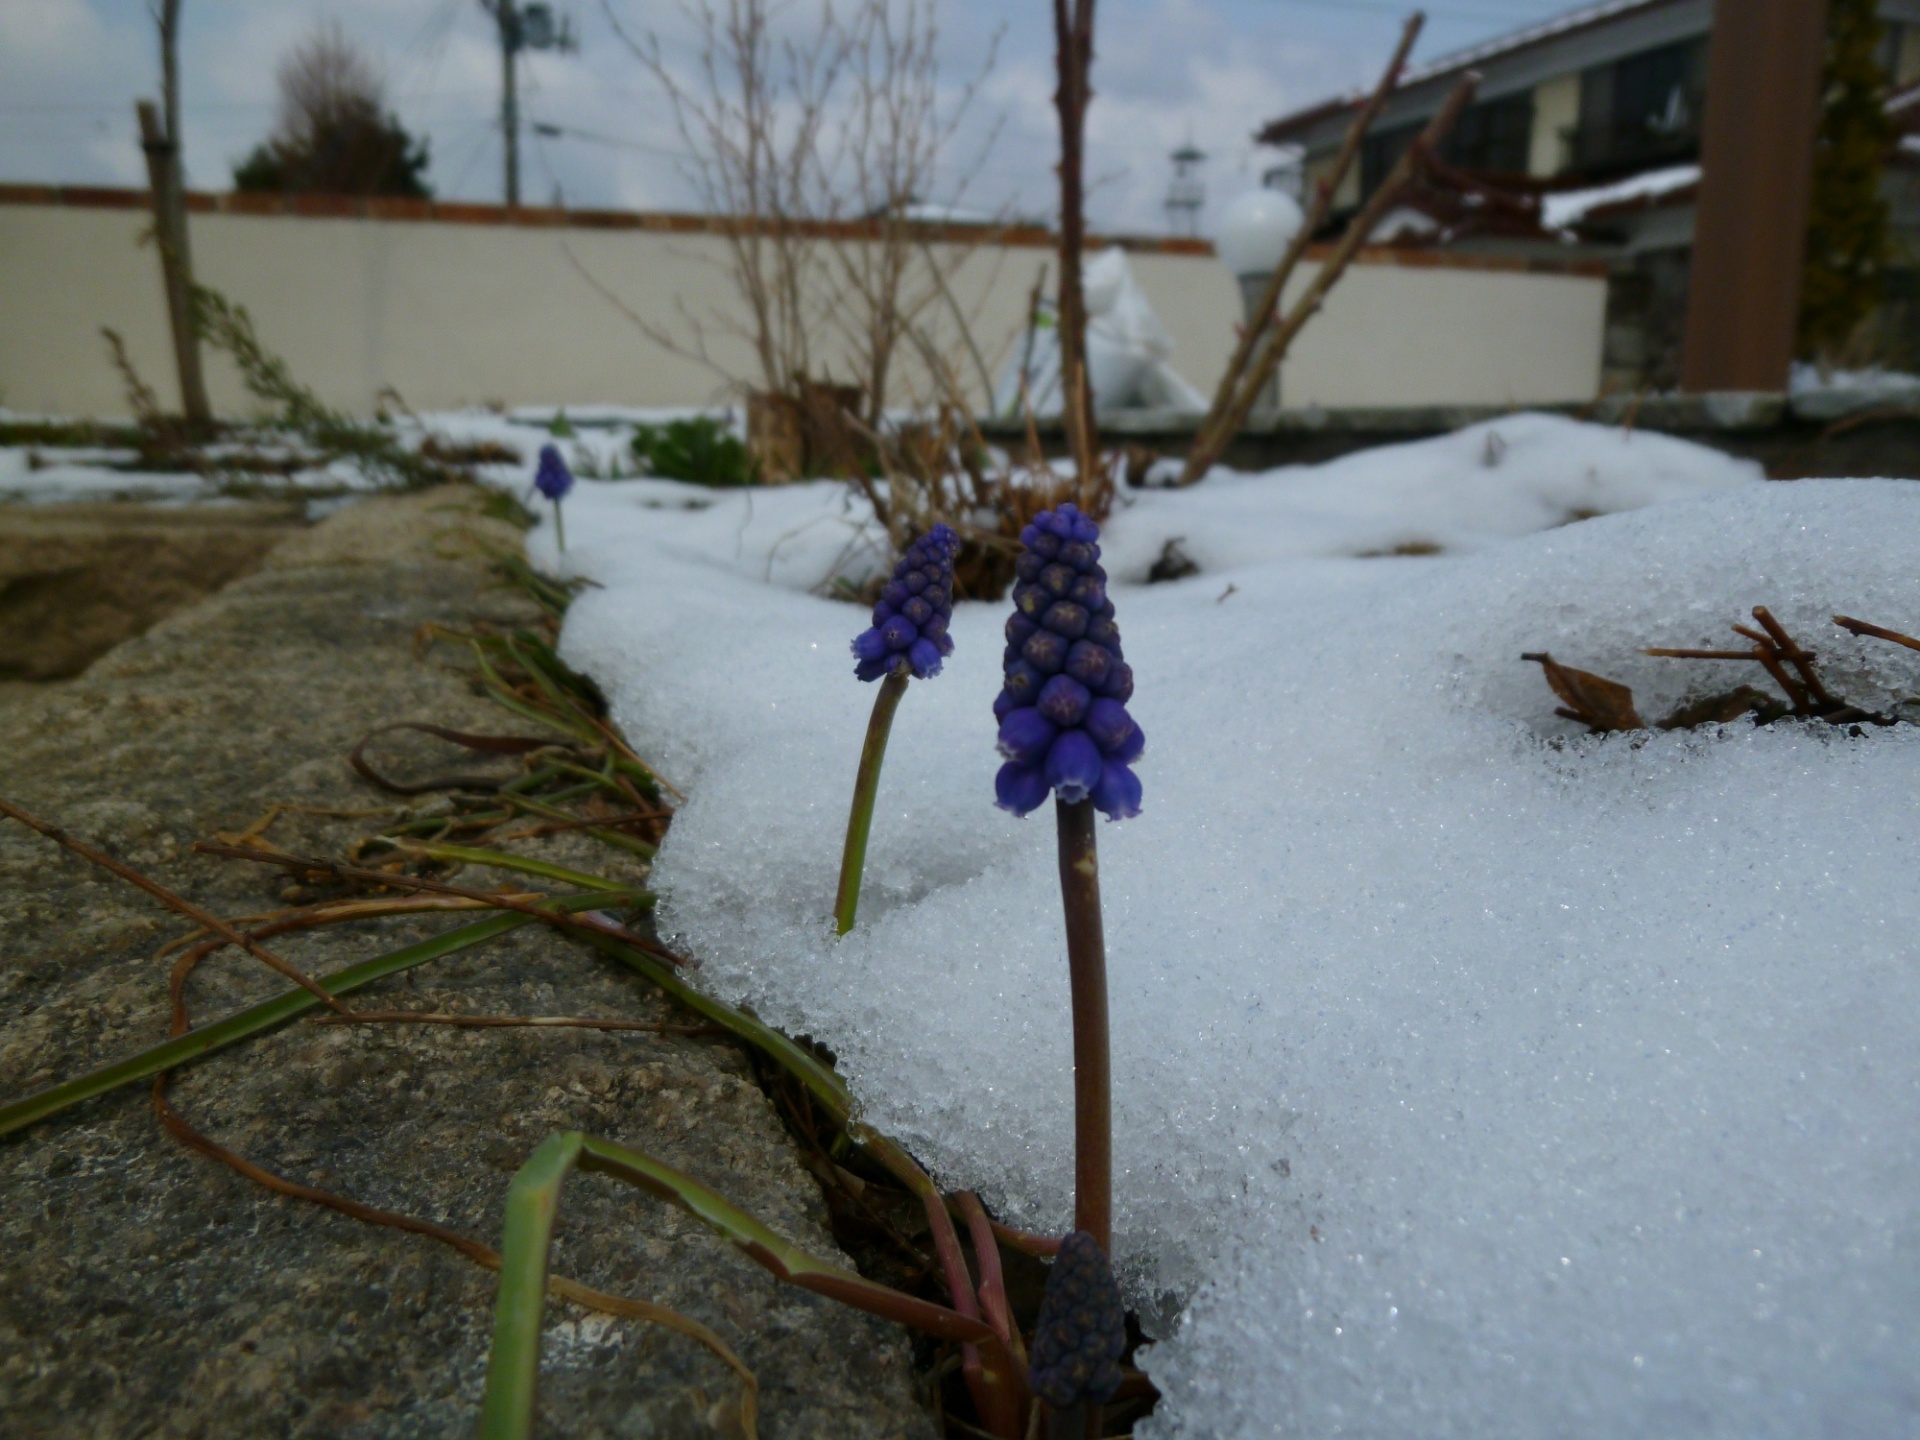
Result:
853,859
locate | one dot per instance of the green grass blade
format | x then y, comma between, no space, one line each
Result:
599,832
513,1366
786,1260
218,1034
825,1086
501,860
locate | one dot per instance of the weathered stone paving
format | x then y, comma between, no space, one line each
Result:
147,1291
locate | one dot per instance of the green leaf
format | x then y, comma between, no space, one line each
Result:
267,1015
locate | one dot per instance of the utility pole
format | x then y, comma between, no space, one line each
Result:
522,27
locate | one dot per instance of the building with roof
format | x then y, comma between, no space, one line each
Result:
1585,133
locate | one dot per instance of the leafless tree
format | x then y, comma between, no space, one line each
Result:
160,139
823,143
325,81
892,138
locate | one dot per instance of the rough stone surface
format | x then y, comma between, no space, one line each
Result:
76,580
145,1290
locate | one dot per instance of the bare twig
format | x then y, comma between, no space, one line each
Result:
1212,442
1073,44
175,902
1801,660
583,921
480,1254
1861,627
1266,313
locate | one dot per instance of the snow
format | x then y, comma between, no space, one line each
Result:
1890,385
1473,1077
1563,208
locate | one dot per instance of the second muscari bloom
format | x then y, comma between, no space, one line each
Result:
553,479
911,617
1081,1332
1064,725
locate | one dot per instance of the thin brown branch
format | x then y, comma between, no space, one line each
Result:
584,920
1672,653
1266,313
1861,627
1801,660
1073,47
480,1254
1212,442
179,904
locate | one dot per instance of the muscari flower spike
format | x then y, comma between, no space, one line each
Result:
1064,725
553,479
1082,1329
910,618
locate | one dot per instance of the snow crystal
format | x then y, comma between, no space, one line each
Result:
1472,1076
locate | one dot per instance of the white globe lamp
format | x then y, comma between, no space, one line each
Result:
1256,229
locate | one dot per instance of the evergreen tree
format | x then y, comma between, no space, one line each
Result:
1847,232
334,136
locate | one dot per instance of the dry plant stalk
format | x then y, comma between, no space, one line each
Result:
818,148
1073,50
1269,335
160,140
1258,327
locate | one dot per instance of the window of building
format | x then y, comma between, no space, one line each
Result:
1492,135
1641,110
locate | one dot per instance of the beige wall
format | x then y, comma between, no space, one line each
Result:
453,314
1410,335
1556,110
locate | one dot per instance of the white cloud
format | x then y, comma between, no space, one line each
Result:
1164,70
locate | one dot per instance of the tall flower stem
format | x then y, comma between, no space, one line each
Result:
1092,1063
853,859
559,528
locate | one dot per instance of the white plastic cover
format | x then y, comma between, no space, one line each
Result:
1127,350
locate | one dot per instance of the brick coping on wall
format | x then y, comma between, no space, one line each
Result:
347,207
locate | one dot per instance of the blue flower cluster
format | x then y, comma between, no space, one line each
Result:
1064,725
553,479
1081,1332
911,617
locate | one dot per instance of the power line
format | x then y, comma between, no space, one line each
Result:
548,128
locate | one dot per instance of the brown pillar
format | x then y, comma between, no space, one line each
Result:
1763,105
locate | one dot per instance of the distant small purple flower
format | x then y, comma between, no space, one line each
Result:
1064,725
553,479
1081,1332
911,617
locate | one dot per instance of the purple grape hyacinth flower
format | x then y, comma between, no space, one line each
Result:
1063,716
910,618
553,479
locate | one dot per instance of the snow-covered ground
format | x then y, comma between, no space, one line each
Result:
1473,1077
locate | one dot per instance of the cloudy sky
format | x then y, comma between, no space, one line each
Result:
1165,71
